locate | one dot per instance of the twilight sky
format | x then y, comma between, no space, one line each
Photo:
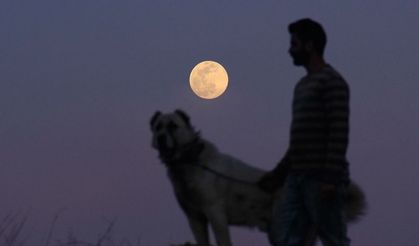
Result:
79,81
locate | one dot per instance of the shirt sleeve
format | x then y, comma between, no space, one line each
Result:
336,98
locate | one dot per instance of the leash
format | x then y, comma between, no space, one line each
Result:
191,152
218,173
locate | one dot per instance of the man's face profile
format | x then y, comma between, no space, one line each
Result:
298,51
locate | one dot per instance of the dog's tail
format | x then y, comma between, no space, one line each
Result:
356,204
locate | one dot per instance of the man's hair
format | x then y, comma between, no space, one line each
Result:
308,30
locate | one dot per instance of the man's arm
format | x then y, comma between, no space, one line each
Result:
275,178
336,98
283,166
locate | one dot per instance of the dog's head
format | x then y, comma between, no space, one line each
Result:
172,133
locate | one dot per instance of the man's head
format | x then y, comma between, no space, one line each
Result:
308,38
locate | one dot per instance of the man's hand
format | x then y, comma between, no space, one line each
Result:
270,182
328,191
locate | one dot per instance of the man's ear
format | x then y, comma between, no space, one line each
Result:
309,46
154,118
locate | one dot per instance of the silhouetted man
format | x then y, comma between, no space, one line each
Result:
314,168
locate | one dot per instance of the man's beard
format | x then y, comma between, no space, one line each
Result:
300,58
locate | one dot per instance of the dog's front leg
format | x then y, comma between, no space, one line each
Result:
199,227
219,223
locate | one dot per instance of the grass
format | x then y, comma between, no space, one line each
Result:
12,234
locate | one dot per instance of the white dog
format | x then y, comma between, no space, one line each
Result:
216,189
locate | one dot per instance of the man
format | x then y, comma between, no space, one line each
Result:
314,170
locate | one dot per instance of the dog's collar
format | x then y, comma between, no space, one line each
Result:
187,154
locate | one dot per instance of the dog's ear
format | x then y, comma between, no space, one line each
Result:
154,118
184,116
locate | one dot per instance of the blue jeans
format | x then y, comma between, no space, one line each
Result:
305,204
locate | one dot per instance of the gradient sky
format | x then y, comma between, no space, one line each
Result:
79,81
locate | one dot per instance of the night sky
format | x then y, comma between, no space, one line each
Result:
80,79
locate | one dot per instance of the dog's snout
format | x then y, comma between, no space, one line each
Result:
161,140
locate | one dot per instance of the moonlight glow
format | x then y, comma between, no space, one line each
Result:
208,79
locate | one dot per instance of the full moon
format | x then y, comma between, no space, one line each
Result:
208,79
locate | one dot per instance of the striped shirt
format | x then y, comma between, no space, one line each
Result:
320,126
